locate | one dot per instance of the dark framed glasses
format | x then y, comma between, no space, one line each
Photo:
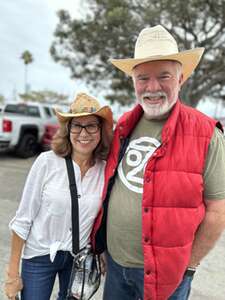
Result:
91,128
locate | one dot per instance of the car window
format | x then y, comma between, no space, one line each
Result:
23,109
47,111
33,111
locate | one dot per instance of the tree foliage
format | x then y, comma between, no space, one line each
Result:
45,96
27,57
109,29
2,98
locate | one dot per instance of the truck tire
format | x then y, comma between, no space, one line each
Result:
27,146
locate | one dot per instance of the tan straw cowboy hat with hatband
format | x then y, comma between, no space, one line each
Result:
86,105
156,43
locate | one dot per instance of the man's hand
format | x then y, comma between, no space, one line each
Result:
103,263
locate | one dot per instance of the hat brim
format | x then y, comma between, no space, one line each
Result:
104,113
189,60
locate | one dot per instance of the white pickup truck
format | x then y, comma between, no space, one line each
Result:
22,127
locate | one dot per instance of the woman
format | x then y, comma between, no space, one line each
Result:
42,224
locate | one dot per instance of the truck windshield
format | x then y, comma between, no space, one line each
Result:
23,109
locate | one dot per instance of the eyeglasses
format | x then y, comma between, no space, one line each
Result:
90,128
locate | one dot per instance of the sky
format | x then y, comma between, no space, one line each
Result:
29,25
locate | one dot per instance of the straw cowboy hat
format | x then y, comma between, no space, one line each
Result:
86,105
156,43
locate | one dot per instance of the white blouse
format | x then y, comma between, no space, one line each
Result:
43,218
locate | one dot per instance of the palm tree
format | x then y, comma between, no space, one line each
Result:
27,59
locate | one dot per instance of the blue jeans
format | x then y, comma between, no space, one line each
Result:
183,290
39,273
123,283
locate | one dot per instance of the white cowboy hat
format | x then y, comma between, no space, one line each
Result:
156,43
86,105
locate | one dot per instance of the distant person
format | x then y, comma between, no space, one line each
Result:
41,229
164,197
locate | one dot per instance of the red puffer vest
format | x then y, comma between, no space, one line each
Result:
172,204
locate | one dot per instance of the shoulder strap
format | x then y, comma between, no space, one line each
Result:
74,206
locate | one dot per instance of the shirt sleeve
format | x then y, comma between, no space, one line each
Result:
31,198
214,172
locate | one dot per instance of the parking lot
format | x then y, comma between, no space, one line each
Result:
209,281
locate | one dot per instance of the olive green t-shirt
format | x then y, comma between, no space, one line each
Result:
124,222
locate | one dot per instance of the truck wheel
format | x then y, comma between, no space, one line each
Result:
27,146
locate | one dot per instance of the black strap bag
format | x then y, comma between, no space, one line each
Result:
86,272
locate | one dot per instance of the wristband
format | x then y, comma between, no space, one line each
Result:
190,272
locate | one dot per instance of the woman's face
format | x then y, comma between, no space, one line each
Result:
85,134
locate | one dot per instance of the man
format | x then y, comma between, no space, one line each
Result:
164,197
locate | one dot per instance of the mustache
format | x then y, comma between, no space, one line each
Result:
154,95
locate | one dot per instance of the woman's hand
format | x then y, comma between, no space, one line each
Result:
103,263
13,285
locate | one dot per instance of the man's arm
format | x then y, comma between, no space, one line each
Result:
209,231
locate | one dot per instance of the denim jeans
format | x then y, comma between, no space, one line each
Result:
183,290
123,283
39,273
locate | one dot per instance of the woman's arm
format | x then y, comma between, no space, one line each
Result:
13,283
15,255
31,199
21,224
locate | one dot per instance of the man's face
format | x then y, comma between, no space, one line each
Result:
157,85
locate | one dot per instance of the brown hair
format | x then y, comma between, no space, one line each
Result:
62,146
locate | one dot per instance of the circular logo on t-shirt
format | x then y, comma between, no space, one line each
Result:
132,166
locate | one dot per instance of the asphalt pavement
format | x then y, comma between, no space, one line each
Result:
208,283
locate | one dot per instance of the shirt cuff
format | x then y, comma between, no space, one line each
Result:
22,229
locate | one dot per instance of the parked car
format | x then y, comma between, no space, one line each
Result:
50,130
22,126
